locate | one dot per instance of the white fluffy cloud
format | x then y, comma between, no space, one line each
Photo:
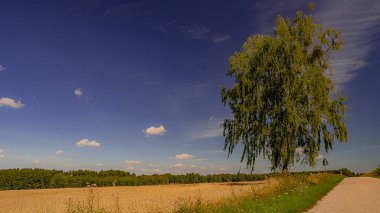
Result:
59,152
36,161
184,156
156,170
2,68
9,102
85,142
160,130
132,162
1,153
78,92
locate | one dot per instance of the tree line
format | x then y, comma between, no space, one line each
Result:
13,179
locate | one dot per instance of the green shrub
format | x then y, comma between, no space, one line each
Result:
59,181
376,172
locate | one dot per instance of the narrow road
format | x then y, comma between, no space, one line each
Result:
357,194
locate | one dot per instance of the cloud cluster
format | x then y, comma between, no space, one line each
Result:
9,102
85,142
160,130
184,156
359,23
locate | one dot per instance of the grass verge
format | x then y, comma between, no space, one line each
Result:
294,193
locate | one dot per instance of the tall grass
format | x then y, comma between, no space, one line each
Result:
91,204
295,193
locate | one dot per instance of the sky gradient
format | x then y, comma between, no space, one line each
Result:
134,85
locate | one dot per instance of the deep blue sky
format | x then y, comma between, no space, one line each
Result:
134,85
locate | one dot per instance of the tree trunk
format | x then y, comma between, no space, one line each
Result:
285,170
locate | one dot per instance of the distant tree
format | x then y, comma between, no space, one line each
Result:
325,163
346,172
284,96
59,181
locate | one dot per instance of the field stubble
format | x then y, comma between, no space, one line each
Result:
161,198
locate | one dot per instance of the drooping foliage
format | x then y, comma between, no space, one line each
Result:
284,97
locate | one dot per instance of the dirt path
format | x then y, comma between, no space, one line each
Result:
358,194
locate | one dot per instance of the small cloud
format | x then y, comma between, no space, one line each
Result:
85,142
1,153
125,11
130,168
178,165
132,162
99,164
220,38
206,128
153,165
155,130
2,68
194,32
59,152
184,156
223,169
36,161
193,166
149,170
165,27
9,102
78,92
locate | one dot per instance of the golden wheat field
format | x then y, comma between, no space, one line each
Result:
162,198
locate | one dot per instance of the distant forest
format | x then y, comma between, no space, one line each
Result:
13,179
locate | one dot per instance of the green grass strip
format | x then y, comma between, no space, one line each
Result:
287,199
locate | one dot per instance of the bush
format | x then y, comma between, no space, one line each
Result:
59,181
376,172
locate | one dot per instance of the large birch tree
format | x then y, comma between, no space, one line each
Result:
284,97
